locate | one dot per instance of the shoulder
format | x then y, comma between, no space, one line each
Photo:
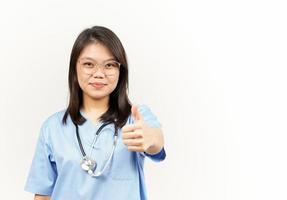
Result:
54,118
52,122
145,110
148,115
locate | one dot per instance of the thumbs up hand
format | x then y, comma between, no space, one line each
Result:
139,136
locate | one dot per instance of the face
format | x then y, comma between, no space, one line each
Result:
99,84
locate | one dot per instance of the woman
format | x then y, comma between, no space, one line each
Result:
95,148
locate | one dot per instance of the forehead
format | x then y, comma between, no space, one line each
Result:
96,51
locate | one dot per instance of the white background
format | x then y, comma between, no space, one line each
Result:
213,72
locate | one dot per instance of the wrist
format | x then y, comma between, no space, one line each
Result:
157,141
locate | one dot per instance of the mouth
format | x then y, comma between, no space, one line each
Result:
97,85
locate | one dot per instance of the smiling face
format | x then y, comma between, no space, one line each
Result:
98,85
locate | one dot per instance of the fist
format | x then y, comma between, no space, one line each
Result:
137,136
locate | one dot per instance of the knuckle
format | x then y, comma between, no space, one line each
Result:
140,141
140,134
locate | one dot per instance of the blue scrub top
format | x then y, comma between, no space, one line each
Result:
56,170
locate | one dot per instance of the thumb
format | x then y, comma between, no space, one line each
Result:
136,113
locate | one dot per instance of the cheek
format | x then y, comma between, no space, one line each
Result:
82,81
114,82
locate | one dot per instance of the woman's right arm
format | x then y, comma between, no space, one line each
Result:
41,197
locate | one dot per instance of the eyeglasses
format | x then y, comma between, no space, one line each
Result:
109,68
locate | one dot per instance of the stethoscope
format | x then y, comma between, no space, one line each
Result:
87,163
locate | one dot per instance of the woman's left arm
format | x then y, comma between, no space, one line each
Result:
140,137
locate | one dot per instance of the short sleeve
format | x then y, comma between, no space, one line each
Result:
153,122
42,174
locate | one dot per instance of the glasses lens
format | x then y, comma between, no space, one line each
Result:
86,66
111,67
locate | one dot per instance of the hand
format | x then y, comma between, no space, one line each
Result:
138,136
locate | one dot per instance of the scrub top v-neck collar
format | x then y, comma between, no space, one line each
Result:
88,130
89,121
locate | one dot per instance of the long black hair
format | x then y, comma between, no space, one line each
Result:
119,103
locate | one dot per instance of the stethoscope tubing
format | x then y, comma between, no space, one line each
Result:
90,171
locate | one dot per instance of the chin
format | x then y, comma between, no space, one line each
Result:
98,95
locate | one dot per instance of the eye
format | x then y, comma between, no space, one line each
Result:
111,65
88,64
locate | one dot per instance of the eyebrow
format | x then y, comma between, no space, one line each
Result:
89,58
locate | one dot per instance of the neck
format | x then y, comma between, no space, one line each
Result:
95,106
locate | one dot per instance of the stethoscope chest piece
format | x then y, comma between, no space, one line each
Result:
88,164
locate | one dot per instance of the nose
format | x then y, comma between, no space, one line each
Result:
98,72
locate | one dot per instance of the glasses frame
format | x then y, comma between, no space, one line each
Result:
98,65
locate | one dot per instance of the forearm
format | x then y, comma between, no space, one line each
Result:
158,141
